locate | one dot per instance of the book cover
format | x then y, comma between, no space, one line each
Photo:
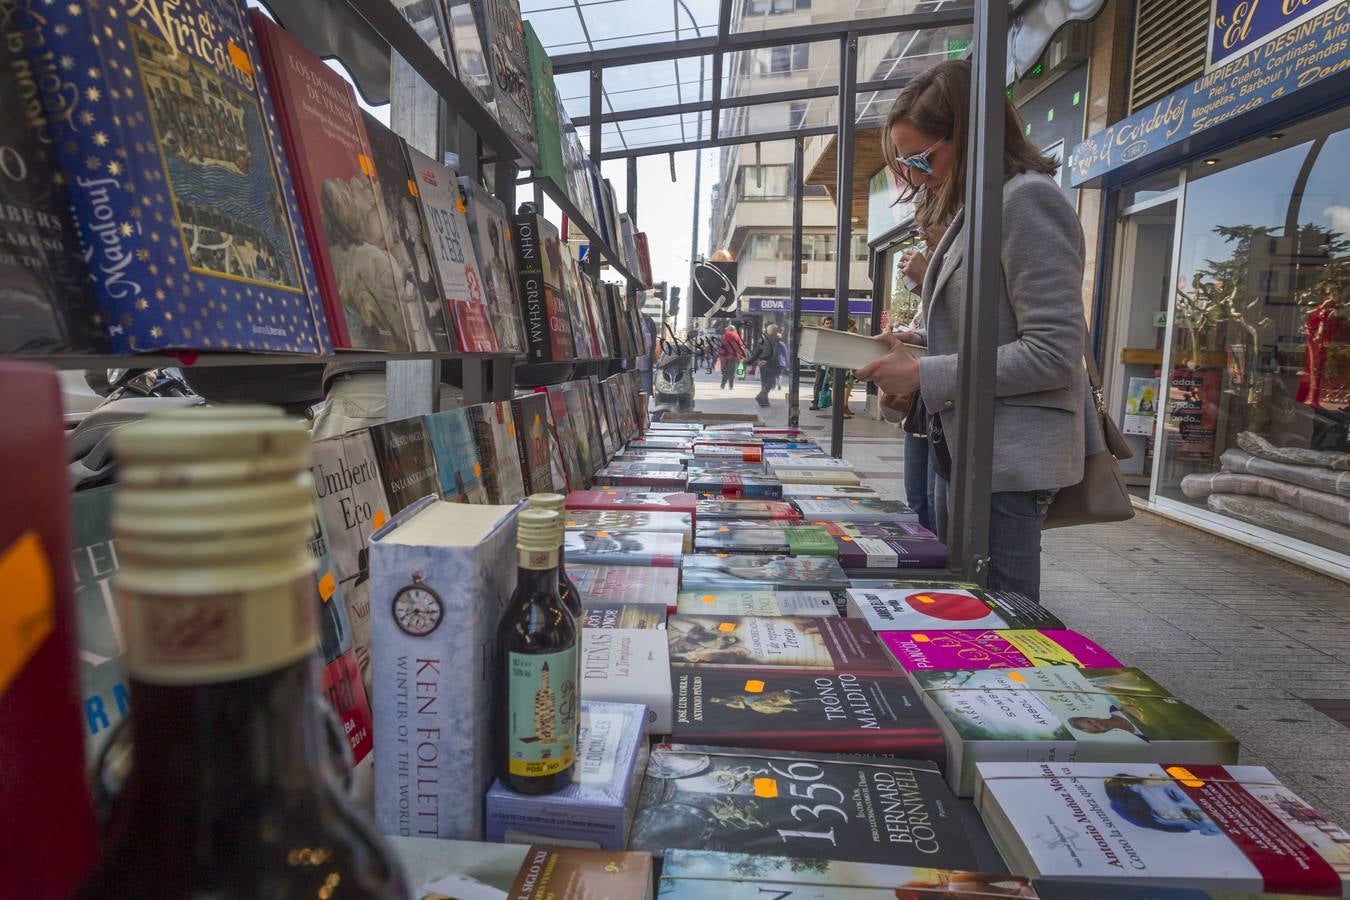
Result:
461,281
544,99
570,434
625,584
1208,827
408,242
623,615
633,500
706,468
737,487
642,474
407,462
810,540
340,203
472,65
614,393
603,416
187,217
644,258
893,529
490,229
628,665
921,607
340,679
590,295
530,413
47,305
571,873
623,548
812,604
1141,407
723,570
921,550
622,520
503,36
816,477
352,503
1064,713
855,509
457,464
104,699
838,712
823,643
585,338
726,508
741,536
494,433
557,457
868,809
590,452
597,808
982,649
441,574
831,348
565,346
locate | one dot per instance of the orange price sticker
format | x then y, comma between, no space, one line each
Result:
924,598
571,523
239,57
1185,776
459,205
920,638
723,528
412,188
327,585
720,555
602,534
709,598
1017,677
754,686
380,518
28,613
367,165
844,537
766,787
477,470
727,626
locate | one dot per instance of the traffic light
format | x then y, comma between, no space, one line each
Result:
673,310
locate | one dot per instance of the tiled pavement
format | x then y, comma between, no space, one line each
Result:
1257,644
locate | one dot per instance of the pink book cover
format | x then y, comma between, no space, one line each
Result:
988,649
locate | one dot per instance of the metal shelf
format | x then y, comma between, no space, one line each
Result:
607,253
242,358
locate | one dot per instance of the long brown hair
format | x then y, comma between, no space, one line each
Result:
937,103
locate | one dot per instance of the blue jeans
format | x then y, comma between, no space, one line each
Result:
1015,519
645,376
918,479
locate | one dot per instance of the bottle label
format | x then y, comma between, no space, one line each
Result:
542,712
538,559
204,638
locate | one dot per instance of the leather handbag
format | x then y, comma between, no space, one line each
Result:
1101,495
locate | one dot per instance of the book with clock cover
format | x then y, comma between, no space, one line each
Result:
623,548
352,503
573,873
634,500
452,254
995,649
726,508
539,268
790,641
813,604
1064,713
490,229
408,243
920,607
816,477
440,575
596,809
623,615
340,202
187,243
530,413
715,798
1167,827
736,487
407,461
494,433
704,571
838,712
628,665
600,585
654,476
623,520
456,451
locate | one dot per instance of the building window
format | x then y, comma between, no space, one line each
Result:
796,113
859,248
771,247
782,60
818,247
774,7
764,182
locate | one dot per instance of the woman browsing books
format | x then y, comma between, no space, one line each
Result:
1040,384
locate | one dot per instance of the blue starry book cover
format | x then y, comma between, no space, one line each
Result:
171,160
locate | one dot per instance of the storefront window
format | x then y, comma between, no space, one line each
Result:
1258,387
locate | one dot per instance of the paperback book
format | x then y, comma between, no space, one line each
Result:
539,267
817,477
494,434
705,468
503,38
828,491
628,548
923,608
811,604
633,500
569,435
573,873
407,462
1208,827
738,487
544,99
456,451
1010,649
1064,713
871,555
855,509
625,584
709,571
839,712
490,229
104,698
723,508
741,452
652,476
698,797
628,665
622,520
763,536
530,414
623,615
828,642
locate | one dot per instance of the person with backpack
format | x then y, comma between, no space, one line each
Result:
766,357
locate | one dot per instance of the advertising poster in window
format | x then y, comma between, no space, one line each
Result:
1193,412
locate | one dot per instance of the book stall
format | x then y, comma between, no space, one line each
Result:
534,644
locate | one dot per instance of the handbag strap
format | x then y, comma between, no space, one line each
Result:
1094,375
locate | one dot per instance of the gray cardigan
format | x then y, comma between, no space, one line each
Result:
1042,406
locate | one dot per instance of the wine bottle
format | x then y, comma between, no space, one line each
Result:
567,589
230,793
537,646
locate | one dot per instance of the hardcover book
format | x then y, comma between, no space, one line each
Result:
812,604
352,504
570,873
869,555
543,309
824,643
763,536
749,487
472,64
1207,827
597,808
717,451
838,712
623,615
628,548
503,37
452,253
918,607
625,584
816,477
494,434
855,509
622,520
882,811
724,508
642,474
583,333
188,242
604,416
544,99
708,468
633,500
1010,649
628,665
530,413
104,699
340,679
591,453
340,202
490,228
456,451
570,434
441,574
705,571
407,462
408,242
590,295
1064,713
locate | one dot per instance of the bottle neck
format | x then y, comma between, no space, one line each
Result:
535,579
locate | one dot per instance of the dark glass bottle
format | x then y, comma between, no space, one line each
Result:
567,589
537,646
231,794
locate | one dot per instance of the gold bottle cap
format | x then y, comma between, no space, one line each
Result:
546,501
536,530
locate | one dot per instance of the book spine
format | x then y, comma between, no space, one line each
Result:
533,303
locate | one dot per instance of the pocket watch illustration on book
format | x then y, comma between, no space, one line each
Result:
417,608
